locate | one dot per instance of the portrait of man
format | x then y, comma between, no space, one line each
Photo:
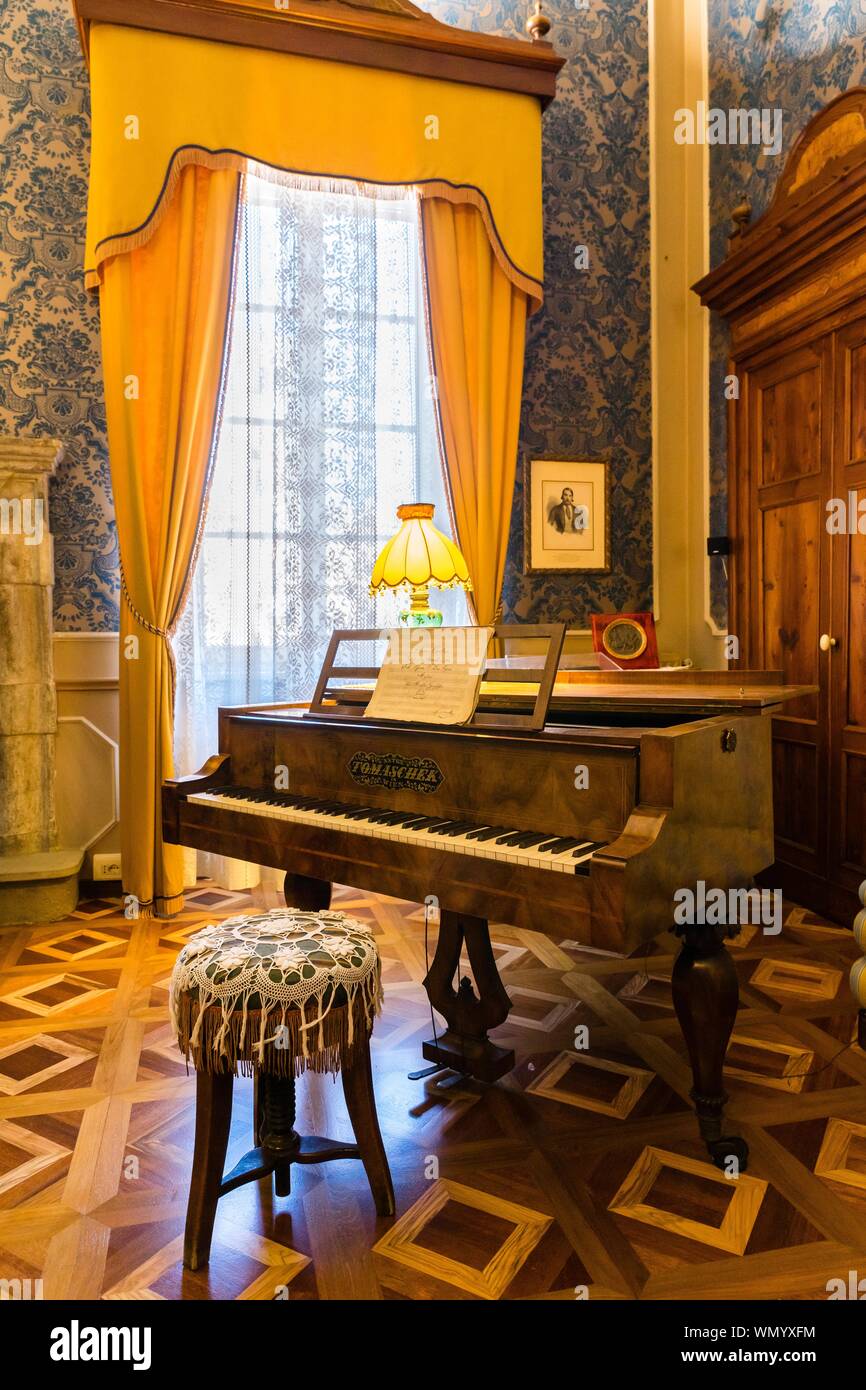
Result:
566,516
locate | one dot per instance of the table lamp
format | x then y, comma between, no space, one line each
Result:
418,556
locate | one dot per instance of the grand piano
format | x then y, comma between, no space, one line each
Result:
583,827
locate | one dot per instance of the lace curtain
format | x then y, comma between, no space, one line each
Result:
327,426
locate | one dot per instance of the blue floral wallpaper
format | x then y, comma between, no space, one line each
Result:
795,55
587,384
50,374
587,389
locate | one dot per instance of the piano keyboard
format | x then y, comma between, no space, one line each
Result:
526,848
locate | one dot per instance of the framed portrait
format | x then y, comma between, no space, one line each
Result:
566,521
626,639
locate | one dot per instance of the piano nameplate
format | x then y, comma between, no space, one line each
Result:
396,772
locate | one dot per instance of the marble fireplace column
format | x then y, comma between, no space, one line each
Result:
38,879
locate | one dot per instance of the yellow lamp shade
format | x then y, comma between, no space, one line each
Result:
419,555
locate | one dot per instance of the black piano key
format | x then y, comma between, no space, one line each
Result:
408,821
427,823
491,833
360,813
589,849
519,839
458,828
528,841
480,829
561,845
445,828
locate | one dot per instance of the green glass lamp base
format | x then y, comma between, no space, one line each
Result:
430,617
419,613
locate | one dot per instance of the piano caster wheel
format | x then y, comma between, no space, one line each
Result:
721,1151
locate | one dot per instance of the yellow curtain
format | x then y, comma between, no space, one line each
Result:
161,101
164,310
478,330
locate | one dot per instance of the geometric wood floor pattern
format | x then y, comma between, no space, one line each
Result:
580,1174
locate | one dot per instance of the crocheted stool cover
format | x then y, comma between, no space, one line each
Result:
282,992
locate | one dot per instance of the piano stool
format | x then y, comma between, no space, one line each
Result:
274,995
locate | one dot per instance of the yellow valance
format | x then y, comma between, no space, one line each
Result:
161,102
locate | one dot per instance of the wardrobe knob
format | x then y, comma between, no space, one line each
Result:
826,642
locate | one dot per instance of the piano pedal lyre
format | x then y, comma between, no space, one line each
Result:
464,1047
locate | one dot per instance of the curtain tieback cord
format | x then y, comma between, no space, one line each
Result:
162,632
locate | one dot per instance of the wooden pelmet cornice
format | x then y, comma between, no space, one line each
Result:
816,217
392,34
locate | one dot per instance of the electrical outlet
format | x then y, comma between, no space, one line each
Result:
106,866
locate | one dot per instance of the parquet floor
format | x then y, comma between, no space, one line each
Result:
580,1174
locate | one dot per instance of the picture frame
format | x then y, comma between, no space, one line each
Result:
627,640
562,534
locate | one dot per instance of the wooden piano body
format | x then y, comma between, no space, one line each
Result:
668,774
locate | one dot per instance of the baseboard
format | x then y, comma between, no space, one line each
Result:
100,888
817,894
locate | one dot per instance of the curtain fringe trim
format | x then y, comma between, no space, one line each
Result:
124,242
160,907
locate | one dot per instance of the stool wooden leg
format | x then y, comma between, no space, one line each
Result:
276,1100
258,1110
361,1105
213,1114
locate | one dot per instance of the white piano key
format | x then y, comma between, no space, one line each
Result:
563,862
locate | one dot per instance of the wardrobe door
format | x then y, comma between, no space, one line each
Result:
789,412
847,659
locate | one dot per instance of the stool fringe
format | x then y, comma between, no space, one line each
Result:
220,1044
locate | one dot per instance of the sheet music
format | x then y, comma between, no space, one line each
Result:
430,675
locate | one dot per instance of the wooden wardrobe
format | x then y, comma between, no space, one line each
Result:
793,293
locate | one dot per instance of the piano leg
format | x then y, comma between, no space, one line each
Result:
309,894
465,1046
706,993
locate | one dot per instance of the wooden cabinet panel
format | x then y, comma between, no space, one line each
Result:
854,809
847,660
792,292
788,464
854,650
794,802
789,561
790,420
854,366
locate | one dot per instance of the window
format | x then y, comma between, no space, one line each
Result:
327,425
